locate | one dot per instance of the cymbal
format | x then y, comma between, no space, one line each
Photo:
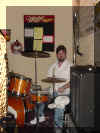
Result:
36,54
53,80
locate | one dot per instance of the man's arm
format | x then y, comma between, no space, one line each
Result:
67,85
61,89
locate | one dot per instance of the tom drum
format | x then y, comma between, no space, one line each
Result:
19,85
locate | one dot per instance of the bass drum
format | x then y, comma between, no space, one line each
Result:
16,107
29,104
19,107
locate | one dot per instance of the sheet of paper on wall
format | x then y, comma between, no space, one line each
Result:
37,45
38,32
48,39
28,32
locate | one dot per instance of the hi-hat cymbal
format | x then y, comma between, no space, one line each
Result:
36,54
53,80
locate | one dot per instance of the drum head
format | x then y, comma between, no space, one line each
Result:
62,100
16,75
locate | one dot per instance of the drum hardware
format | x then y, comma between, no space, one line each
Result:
41,92
36,54
35,87
10,74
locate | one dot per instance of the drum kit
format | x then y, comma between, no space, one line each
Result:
23,95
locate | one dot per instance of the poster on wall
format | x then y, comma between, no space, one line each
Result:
39,33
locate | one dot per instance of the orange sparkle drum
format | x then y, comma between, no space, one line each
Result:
18,108
29,103
39,98
19,85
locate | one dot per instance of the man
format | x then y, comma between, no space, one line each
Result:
60,69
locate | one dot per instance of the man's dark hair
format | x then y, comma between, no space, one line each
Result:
61,47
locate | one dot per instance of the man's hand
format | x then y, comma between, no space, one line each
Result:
68,85
61,89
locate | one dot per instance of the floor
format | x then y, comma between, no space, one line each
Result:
28,129
45,127
9,124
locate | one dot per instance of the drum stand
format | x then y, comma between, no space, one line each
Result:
36,54
37,103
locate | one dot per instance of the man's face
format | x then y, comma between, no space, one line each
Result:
61,56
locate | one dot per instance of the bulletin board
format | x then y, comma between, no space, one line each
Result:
39,33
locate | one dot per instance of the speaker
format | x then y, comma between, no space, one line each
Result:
85,93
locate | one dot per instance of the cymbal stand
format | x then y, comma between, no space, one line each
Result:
37,103
36,54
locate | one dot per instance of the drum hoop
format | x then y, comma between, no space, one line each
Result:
21,77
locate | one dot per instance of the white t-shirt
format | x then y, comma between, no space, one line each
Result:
61,72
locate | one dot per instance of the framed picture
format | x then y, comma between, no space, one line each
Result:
39,33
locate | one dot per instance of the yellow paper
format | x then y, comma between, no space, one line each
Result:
38,32
37,45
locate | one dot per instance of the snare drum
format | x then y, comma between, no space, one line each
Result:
19,85
59,102
62,101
